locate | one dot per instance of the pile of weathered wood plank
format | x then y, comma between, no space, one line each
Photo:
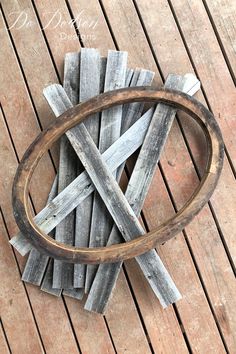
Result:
86,218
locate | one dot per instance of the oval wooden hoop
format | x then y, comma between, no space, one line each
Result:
142,244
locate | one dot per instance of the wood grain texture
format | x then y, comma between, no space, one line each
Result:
74,293
222,14
110,129
91,81
36,263
63,273
47,281
37,81
138,186
205,51
21,113
21,244
14,305
4,346
133,111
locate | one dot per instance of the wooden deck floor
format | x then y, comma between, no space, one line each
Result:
166,36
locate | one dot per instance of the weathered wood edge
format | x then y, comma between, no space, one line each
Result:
101,221
46,285
63,273
91,75
36,263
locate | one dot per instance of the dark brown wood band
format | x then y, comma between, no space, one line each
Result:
142,244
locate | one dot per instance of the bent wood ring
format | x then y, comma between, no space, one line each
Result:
142,244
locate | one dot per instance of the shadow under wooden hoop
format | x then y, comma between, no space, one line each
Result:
142,244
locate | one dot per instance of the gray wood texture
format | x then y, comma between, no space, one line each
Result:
128,77
137,189
36,263
118,206
75,293
101,217
133,111
110,129
91,75
21,243
63,273
50,216
47,281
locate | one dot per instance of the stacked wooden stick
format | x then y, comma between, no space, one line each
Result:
76,214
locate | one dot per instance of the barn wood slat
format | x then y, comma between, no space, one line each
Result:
63,273
110,128
46,285
101,221
90,82
101,208
110,192
137,188
36,263
74,293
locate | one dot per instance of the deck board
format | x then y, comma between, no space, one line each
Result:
4,347
202,259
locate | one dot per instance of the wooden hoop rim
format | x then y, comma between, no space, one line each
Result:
142,244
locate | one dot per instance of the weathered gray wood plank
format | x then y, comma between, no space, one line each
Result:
130,113
128,78
47,281
133,111
63,273
36,262
110,129
75,293
118,206
91,75
49,217
21,243
137,189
